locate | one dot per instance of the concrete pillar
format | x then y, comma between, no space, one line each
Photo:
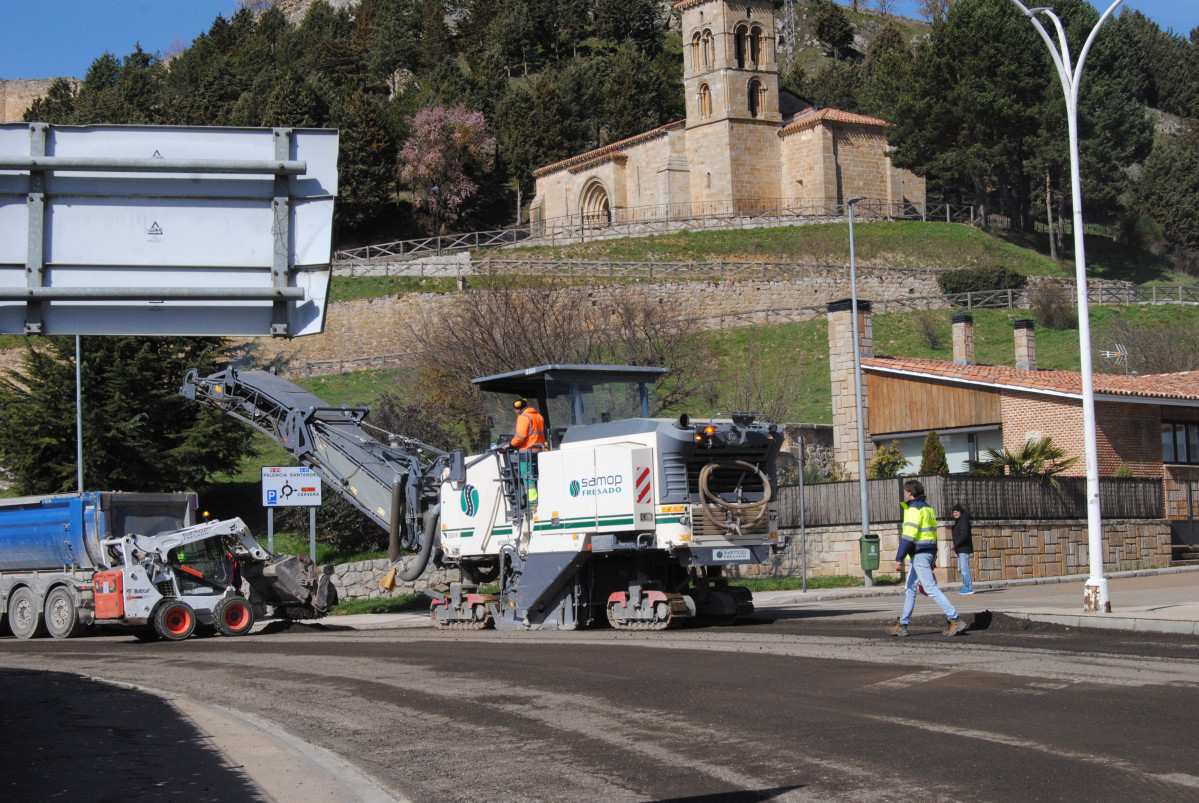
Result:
963,338
841,372
1026,344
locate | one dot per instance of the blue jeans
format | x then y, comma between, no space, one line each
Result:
964,570
922,572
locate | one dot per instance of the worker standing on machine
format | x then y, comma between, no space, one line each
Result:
530,427
529,439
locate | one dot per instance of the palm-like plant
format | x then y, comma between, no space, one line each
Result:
1037,458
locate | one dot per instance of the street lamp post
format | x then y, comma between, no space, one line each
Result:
435,191
857,384
1095,594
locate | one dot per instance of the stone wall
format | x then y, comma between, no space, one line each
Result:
360,580
18,94
366,327
1004,550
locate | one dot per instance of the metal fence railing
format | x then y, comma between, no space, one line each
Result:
986,498
642,221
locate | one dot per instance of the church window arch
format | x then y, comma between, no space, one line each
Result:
709,48
756,97
741,44
705,101
755,46
696,58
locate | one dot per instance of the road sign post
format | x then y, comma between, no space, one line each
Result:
291,486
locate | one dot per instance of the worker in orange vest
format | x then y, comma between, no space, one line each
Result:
530,426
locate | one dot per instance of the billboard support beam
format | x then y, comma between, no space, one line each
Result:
35,255
281,230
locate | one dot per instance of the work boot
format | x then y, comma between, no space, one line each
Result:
956,627
898,629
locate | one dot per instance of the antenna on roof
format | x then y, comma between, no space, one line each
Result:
1120,355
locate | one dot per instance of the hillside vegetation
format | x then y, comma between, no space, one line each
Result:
471,97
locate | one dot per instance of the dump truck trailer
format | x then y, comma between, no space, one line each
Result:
71,561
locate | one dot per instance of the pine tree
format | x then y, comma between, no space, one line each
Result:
139,434
932,456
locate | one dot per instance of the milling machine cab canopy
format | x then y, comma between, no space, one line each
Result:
572,395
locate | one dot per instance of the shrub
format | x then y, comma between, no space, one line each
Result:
887,462
929,325
1053,307
974,280
346,529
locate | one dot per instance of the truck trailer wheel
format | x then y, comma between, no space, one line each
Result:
62,619
233,616
25,614
175,620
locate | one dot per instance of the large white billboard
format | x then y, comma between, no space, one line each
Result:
129,230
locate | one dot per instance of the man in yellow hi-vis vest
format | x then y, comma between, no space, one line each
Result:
919,540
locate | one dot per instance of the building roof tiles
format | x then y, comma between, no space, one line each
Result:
811,117
611,147
1179,386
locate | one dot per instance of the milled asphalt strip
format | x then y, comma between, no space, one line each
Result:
1107,762
283,767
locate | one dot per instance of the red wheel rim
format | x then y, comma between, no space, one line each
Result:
178,621
236,616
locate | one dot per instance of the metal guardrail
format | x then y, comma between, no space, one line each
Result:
646,220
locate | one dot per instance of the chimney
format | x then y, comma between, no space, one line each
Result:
1026,344
841,372
963,338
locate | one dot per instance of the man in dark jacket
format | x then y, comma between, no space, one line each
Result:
963,547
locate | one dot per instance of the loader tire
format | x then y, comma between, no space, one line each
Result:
25,614
174,620
62,618
233,616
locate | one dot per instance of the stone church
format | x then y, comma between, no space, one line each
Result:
745,148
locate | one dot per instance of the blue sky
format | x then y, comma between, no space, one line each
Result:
49,38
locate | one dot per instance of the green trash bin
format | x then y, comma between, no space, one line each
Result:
869,552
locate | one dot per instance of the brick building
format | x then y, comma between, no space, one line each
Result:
744,147
1148,425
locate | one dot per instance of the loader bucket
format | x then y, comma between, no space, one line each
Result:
298,588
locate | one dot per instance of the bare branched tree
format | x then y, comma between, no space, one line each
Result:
1158,347
760,386
885,7
641,332
257,6
932,9
506,328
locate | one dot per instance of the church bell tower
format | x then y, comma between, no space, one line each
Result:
729,68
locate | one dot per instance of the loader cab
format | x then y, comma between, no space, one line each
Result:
572,395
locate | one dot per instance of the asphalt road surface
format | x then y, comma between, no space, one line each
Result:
789,709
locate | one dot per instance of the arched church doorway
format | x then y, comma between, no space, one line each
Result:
597,211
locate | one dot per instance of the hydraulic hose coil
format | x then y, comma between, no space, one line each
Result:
757,509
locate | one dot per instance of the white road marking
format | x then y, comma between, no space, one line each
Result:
903,681
1108,762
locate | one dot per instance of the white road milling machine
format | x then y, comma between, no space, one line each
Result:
622,518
